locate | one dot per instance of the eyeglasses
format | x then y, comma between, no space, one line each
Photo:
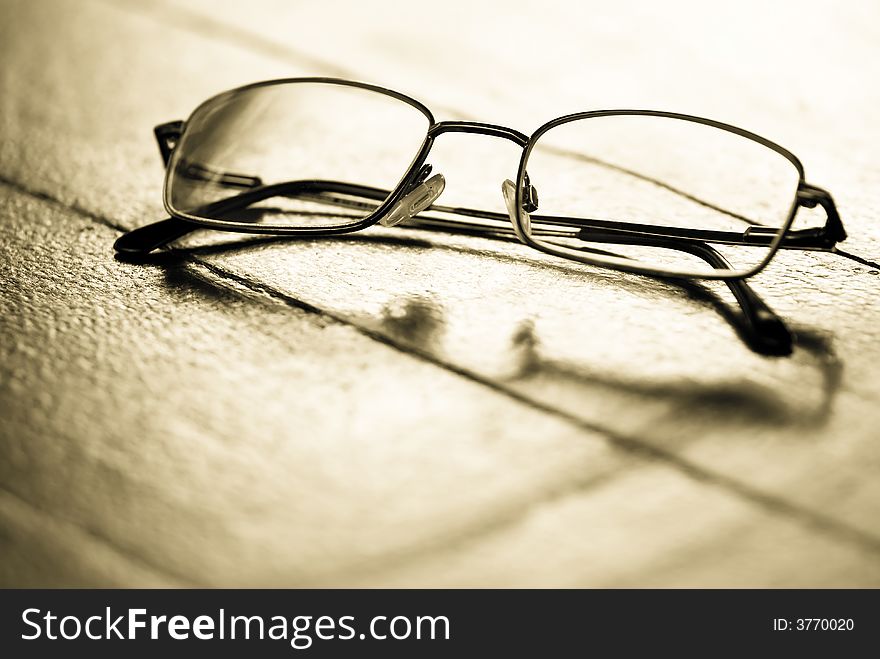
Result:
640,191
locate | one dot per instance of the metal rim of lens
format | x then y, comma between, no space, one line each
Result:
364,222
642,269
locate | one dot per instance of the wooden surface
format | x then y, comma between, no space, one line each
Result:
427,411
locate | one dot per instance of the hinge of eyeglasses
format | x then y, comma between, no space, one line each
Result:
809,196
825,237
167,135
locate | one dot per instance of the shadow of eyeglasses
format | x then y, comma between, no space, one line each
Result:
419,323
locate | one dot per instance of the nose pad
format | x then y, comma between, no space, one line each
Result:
508,189
415,201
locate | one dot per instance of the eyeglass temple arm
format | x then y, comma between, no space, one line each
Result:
765,330
820,238
147,238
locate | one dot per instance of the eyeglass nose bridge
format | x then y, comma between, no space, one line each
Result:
478,128
508,188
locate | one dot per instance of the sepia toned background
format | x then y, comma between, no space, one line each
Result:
429,410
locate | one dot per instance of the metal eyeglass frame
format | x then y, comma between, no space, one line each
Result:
765,327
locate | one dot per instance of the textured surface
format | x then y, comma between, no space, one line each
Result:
434,411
